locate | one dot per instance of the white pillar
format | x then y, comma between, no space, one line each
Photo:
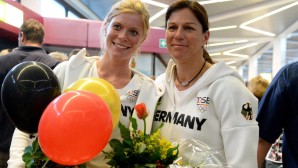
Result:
279,54
252,67
240,71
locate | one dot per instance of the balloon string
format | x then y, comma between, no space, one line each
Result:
45,163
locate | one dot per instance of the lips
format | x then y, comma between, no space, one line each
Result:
120,45
178,45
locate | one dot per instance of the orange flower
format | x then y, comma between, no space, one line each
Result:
141,110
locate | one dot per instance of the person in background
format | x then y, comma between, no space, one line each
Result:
274,156
31,35
123,31
60,56
75,51
258,86
278,114
5,51
204,101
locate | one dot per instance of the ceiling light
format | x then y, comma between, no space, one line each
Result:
243,47
223,28
229,52
230,62
214,54
236,55
162,5
244,25
212,1
227,43
165,6
257,31
158,14
219,44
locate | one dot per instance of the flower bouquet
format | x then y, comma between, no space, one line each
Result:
139,149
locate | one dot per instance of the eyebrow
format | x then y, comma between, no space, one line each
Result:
187,23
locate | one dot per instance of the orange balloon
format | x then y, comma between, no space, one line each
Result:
74,128
103,89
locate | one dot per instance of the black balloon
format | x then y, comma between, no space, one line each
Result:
26,91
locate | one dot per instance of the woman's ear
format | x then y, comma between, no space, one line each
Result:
206,35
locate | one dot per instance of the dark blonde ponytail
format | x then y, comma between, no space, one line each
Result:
207,57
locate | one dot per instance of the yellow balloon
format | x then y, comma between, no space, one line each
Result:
103,89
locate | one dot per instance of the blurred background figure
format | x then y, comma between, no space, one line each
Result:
258,86
75,51
278,114
59,56
31,35
5,51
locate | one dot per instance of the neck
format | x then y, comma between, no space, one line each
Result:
186,81
29,43
118,75
111,66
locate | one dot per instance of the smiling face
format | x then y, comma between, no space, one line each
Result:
124,35
184,35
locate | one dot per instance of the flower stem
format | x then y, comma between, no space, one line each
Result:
144,126
45,163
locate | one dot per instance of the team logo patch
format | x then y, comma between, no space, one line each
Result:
247,111
132,95
203,103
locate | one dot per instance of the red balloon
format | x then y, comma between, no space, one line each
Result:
75,127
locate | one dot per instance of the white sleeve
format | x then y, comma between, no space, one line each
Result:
240,134
20,140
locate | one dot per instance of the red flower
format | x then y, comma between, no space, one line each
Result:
141,110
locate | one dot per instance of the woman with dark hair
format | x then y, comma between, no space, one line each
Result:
204,101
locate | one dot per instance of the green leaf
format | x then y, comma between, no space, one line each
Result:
27,157
35,145
127,143
30,164
28,149
133,123
112,163
125,133
115,144
159,127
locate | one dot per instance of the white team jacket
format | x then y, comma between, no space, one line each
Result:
218,110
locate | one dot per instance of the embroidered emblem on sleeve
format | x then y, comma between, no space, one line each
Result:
132,95
247,111
203,103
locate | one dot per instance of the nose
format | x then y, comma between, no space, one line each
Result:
179,34
123,34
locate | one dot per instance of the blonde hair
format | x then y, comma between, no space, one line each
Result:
258,86
59,56
133,62
125,6
5,51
